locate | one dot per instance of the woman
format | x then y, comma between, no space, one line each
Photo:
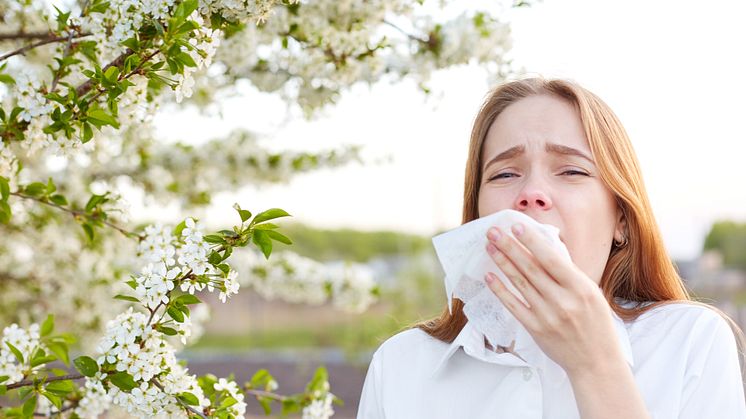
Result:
557,153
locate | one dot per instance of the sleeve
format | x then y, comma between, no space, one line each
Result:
371,406
713,386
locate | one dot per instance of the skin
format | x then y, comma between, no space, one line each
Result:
567,314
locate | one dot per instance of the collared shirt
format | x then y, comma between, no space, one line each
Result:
683,357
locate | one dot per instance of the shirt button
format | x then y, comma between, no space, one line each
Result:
527,374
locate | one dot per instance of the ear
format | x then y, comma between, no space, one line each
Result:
621,225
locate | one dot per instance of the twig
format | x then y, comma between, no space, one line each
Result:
48,380
64,409
88,85
260,393
186,406
40,43
409,35
58,74
77,214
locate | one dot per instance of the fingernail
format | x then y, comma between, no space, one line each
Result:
491,249
489,277
518,229
493,234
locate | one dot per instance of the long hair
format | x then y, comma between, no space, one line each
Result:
641,271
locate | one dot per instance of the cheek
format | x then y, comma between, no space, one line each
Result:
490,202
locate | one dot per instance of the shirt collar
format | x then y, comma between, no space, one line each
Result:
472,341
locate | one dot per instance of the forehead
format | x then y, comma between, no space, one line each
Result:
534,121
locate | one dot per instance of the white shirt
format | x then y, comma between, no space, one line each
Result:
684,359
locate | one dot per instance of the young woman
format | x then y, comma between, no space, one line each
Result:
556,152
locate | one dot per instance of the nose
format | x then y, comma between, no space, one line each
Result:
532,196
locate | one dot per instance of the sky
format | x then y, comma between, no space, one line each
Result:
674,73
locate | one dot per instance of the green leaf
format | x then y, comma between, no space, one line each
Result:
4,188
86,365
269,215
123,380
266,403
89,231
244,214
5,212
175,314
60,388
35,189
112,74
179,228
167,330
186,59
3,389
3,378
187,299
126,298
16,352
94,201
54,399
47,326
278,237
213,238
60,350
99,118
29,406
59,200
87,132
189,398
6,79
266,226
262,241
51,188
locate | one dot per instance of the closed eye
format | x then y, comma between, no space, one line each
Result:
575,172
570,172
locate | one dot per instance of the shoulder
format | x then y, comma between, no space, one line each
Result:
409,346
690,329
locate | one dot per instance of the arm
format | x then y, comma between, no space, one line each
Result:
608,391
713,386
370,406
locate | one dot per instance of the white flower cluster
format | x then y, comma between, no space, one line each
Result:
202,49
131,345
321,406
26,342
298,279
239,10
239,408
222,164
96,399
159,251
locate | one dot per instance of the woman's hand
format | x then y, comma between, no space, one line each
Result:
568,316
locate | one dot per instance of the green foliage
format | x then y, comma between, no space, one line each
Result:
728,238
353,245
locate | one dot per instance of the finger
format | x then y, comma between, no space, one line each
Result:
516,307
555,266
525,287
524,262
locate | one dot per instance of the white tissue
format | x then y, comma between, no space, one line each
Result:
465,260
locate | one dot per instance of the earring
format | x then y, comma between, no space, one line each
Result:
622,243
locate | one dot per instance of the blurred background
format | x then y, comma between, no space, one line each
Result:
670,70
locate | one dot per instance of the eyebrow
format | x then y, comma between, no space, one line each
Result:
550,148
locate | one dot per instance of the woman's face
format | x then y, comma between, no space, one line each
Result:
533,163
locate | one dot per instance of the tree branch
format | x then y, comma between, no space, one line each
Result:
260,393
48,380
88,85
50,39
77,214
